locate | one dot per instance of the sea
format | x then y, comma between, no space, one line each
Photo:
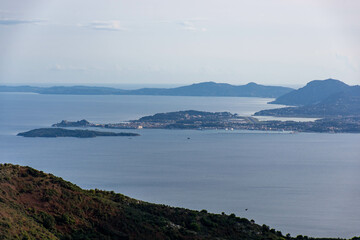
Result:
297,183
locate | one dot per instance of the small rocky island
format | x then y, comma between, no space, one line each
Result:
60,132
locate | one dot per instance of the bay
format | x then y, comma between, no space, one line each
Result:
298,183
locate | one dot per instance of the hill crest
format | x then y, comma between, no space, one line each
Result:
312,93
37,205
327,98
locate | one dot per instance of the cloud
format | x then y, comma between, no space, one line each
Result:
58,67
13,21
348,61
113,25
189,25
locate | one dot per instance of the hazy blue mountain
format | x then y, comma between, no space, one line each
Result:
314,92
81,90
198,89
217,89
345,103
20,89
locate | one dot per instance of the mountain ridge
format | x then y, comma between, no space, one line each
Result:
326,98
197,89
313,92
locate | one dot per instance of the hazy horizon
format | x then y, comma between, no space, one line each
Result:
131,86
179,42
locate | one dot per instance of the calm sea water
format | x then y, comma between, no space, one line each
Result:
305,184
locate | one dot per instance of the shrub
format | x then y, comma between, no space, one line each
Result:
265,228
207,222
47,220
66,219
194,226
33,172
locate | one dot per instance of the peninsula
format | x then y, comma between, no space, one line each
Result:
59,132
200,120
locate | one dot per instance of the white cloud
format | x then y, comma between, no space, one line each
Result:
348,61
14,21
189,25
113,25
59,67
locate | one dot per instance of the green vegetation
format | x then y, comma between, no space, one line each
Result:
81,123
59,132
188,116
57,209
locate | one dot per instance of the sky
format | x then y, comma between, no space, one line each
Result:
270,42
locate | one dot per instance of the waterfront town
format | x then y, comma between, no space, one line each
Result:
200,120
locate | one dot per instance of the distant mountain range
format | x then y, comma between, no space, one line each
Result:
319,98
326,98
199,89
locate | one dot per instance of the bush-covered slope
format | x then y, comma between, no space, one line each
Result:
36,205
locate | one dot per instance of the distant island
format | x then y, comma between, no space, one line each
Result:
326,99
200,120
208,89
336,103
38,205
59,132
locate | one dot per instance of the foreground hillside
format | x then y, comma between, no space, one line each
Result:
36,205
